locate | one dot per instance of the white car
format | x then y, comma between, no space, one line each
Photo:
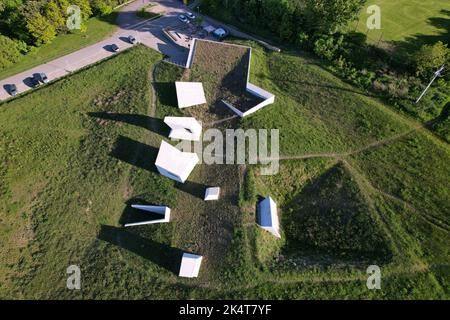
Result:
190,16
132,39
220,33
183,18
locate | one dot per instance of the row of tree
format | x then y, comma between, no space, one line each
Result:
25,24
39,21
291,20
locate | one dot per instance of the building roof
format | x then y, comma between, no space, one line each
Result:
190,265
190,94
268,216
175,162
184,128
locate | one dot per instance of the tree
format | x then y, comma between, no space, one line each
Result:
327,16
85,6
431,57
55,15
9,52
40,28
101,7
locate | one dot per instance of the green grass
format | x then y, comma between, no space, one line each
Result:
406,20
72,162
97,30
396,190
146,13
61,175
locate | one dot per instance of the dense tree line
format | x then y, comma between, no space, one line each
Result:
28,23
291,20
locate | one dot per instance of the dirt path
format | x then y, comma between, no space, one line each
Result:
336,155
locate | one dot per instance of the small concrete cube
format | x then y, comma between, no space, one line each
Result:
212,194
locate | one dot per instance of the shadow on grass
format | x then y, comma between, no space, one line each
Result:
135,153
442,23
163,255
166,93
195,189
131,215
153,124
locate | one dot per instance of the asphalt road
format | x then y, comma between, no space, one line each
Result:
147,32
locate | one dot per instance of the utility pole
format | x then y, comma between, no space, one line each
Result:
436,74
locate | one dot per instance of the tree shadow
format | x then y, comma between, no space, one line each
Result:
413,43
135,153
153,124
163,255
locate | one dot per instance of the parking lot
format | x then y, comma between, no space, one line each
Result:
169,35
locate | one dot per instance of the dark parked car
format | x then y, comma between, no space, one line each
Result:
12,90
132,40
114,47
34,81
42,77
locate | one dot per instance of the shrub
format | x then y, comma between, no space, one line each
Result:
327,47
9,52
103,9
249,187
431,57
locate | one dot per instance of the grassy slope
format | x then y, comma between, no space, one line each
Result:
72,170
59,184
404,20
97,30
319,116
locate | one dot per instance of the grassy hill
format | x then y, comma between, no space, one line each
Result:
76,153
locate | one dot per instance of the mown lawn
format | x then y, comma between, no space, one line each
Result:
98,28
408,20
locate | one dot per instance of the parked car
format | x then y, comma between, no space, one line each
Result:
34,81
220,33
114,47
12,90
183,18
132,39
190,16
42,77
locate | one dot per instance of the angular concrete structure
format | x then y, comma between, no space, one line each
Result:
268,216
175,164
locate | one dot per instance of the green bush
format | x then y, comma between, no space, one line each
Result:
326,47
431,57
249,194
9,51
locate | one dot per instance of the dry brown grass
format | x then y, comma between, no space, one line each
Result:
223,69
